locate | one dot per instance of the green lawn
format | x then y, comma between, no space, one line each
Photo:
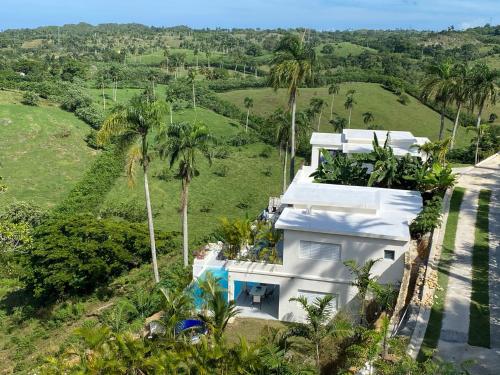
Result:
388,112
42,151
249,182
433,331
479,327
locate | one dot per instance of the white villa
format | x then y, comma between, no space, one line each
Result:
359,141
323,226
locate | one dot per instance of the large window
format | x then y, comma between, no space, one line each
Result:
319,250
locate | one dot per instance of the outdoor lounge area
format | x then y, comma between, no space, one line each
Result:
257,300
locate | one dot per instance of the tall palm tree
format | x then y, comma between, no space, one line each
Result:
484,92
248,102
461,92
348,105
137,120
319,323
333,90
317,105
191,79
438,86
368,117
281,120
362,280
292,64
182,143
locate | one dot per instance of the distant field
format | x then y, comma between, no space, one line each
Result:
344,49
156,57
247,183
42,151
388,112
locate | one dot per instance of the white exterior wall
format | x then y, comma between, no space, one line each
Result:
332,277
360,249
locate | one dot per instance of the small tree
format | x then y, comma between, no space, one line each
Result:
368,117
362,280
319,323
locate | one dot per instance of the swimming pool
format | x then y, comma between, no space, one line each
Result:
220,273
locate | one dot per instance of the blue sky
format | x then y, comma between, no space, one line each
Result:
318,14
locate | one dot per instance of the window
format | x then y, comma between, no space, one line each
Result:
319,251
389,254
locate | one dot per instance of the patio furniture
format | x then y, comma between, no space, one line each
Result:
258,292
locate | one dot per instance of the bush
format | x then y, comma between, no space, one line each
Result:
266,152
428,219
24,212
241,139
74,98
221,152
222,171
86,196
91,140
130,211
92,115
72,255
30,98
404,99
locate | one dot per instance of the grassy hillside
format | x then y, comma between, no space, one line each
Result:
388,112
344,49
42,151
250,180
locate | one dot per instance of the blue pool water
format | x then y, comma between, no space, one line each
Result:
219,273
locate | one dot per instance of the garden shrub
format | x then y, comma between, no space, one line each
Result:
74,254
429,218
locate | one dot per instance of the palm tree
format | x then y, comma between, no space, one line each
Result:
362,280
339,124
292,65
319,323
333,89
438,86
484,92
348,105
182,143
368,117
461,93
248,102
317,105
191,79
136,121
218,311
